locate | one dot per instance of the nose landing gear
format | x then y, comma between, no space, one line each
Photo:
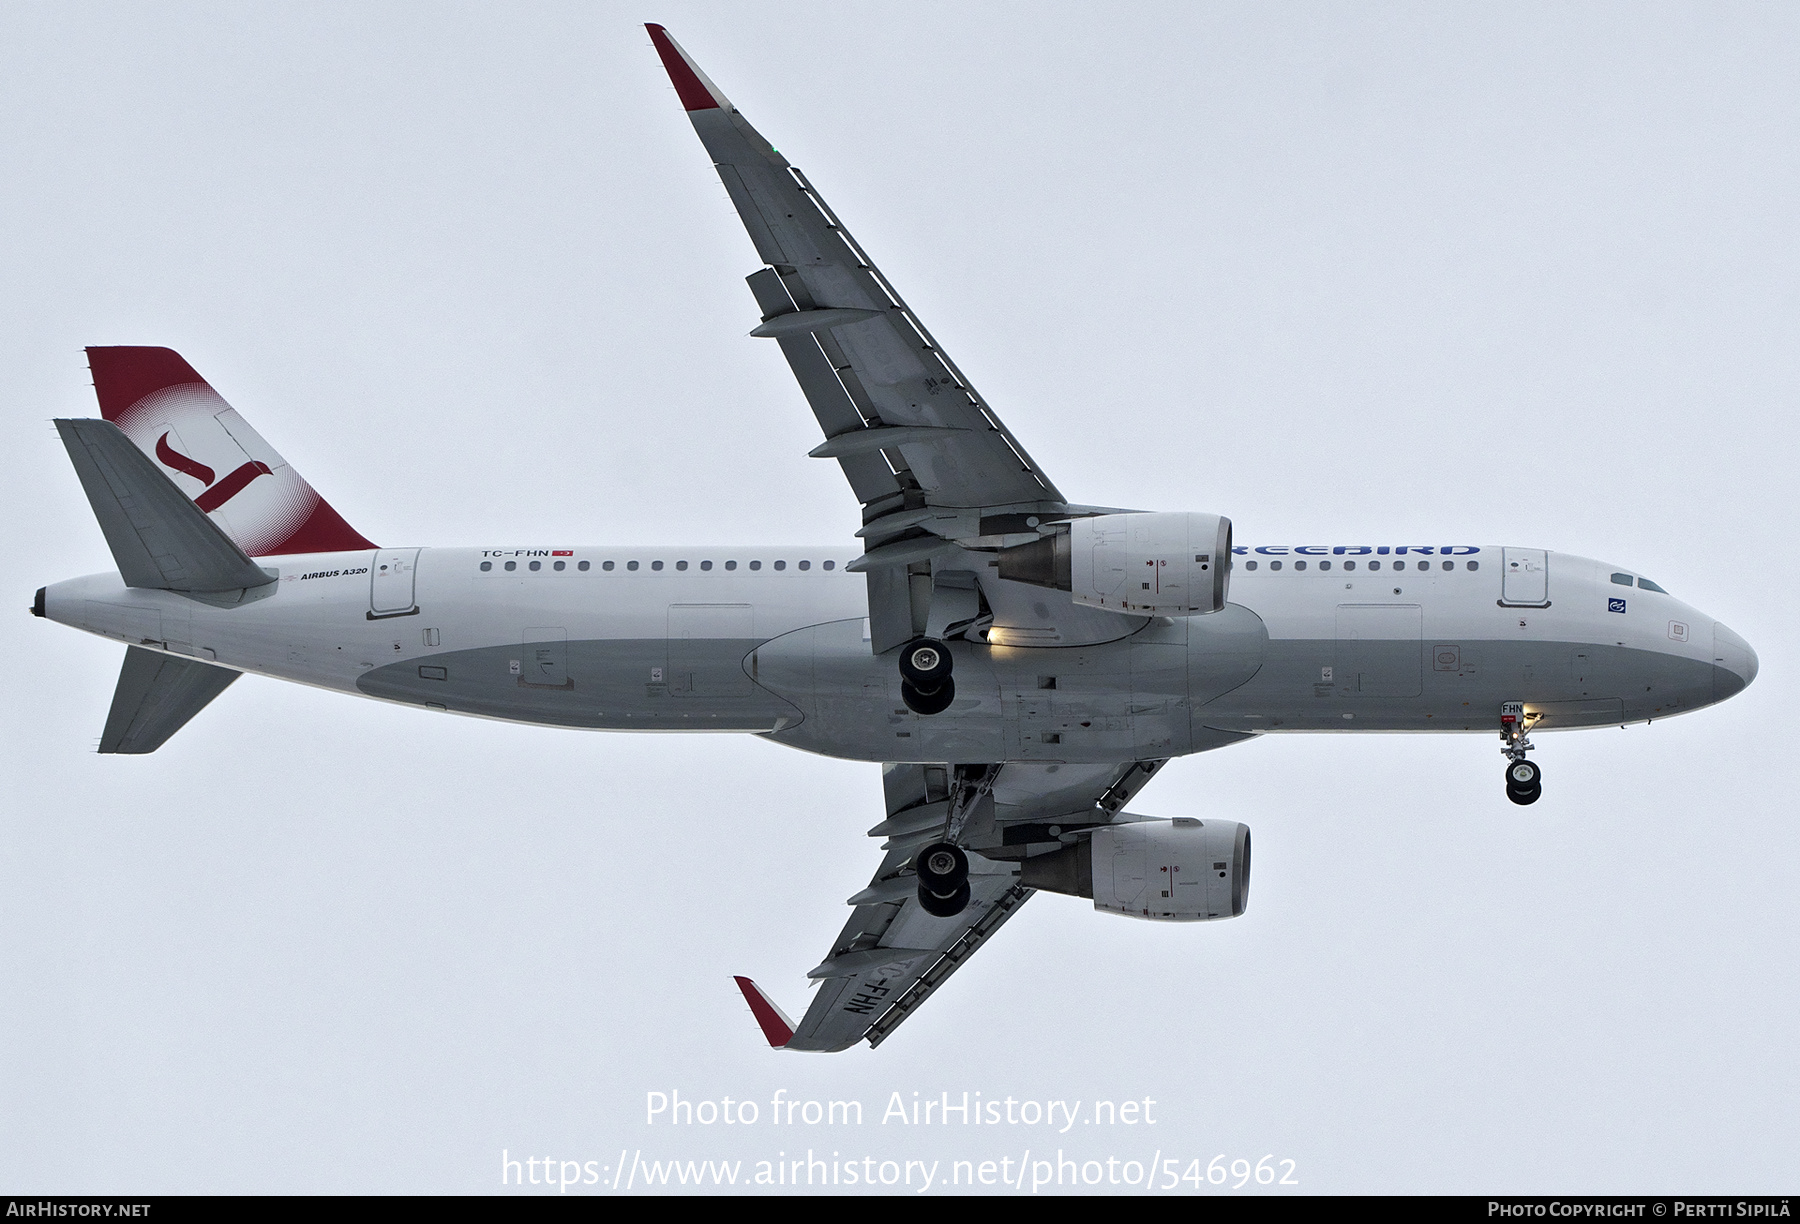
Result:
1524,780
925,683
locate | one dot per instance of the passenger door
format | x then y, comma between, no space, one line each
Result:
391,583
1525,578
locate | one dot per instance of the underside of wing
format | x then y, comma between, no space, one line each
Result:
893,954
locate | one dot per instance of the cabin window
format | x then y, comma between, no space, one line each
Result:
486,566
681,565
511,566
1299,565
1324,565
781,565
631,565
1374,565
1424,565
1274,565
731,565
705,566
756,565
1249,565
1473,566
806,565
605,565
1349,565
656,565
1647,585
560,566
1448,566
830,564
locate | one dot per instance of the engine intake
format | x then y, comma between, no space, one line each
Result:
1160,564
1181,870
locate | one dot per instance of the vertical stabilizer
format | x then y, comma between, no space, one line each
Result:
213,456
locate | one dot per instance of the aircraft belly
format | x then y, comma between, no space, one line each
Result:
1127,699
621,685
1315,684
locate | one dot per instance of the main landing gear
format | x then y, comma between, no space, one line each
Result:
943,871
1524,780
925,683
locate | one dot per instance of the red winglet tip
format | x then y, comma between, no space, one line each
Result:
775,1026
691,86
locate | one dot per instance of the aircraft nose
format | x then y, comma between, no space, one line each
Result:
1734,663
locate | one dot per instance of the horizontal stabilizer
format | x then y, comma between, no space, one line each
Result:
775,1024
159,538
156,697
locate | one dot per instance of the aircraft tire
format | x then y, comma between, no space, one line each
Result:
935,701
944,906
1523,775
925,663
1524,796
941,867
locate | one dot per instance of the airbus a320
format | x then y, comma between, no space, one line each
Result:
1019,663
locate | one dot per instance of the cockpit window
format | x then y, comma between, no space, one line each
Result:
1647,585
1622,579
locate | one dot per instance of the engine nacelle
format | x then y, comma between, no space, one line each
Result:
1161,564
1181,870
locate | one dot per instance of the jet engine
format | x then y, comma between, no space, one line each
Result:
1162,564
1181,870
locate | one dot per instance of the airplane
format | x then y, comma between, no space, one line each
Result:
1021,665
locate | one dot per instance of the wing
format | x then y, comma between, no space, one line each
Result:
924,453
892,955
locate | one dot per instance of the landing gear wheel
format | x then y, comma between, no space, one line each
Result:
947,906
942,867
927,703
1523,797
925,664
1524,781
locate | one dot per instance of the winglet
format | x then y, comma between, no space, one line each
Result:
775,1024
691,85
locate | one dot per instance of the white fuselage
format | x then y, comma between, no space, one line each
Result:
772,641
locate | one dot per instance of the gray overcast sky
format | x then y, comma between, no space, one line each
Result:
1500,273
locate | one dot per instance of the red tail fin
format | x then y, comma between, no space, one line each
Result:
213,455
